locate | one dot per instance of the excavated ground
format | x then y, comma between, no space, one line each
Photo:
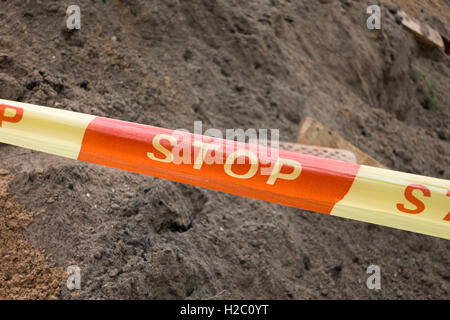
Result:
231,64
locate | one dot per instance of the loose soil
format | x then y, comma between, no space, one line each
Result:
231,64
25,272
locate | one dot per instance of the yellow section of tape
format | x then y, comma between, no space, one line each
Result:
398,200
43,129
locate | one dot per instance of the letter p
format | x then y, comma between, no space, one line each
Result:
5,114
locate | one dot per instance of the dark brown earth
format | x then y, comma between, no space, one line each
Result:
231,64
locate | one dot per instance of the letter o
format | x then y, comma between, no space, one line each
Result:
254,164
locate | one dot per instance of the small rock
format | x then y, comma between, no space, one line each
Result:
115,206
113,273
324,292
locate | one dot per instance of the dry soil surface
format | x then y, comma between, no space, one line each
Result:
25,272
231,64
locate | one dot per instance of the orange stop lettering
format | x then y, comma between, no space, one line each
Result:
447,218
420,207
14,119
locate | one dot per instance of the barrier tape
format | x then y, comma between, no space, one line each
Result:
389,198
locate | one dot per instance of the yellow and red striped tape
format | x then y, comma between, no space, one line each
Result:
389,198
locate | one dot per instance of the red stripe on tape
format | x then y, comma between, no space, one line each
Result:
320,184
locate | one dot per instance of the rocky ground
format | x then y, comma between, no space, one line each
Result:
231,64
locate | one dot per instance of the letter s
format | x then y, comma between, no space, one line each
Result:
420,207
157,145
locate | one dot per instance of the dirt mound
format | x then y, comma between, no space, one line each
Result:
231,64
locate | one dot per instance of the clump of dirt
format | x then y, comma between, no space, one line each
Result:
231,64
25,272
